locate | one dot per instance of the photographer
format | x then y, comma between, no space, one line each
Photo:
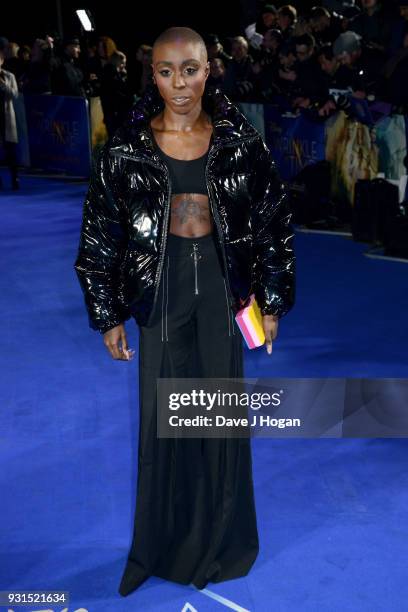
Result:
239,76
362,64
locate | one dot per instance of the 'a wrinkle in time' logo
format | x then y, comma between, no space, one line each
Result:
59,132
296,144
298,152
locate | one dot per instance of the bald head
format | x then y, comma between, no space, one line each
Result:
177,35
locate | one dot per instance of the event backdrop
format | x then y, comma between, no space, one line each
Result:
58,134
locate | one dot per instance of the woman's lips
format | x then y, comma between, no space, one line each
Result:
180,99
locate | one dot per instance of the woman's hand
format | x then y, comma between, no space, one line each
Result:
270,326
116,342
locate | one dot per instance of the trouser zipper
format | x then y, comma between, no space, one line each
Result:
196,256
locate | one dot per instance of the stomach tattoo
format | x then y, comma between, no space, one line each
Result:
188,207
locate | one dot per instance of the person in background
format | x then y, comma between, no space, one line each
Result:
146,73
398,28
286,78
287,16
403,9
8,124
239,76
19,65
36,78
106,46
217,73
98,51
268,18
272,40
394,83
266,67
324,26
68,78
301,27
115,94
373,24
11,57
24,53
336,75
215,49
362,63
310,81
140,70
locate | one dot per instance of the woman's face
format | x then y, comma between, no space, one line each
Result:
180,70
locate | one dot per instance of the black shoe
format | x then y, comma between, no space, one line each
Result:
15,183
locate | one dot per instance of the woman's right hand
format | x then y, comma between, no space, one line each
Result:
116,342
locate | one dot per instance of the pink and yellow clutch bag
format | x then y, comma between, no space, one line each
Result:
249,320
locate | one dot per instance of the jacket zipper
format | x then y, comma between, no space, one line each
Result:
216,216
163,245
218,225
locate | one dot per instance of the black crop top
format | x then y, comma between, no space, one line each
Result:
186,176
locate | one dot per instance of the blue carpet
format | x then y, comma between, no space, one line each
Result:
331,513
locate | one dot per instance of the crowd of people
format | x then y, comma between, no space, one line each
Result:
303,59
292,54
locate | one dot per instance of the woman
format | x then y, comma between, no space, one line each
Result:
8,124
184,218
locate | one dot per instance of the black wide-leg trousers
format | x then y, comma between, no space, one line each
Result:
195,519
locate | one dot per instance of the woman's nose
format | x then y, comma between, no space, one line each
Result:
178,80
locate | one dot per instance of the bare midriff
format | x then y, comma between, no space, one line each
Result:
190,215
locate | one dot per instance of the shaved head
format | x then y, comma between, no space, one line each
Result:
176,35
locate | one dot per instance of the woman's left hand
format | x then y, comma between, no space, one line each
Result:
270,326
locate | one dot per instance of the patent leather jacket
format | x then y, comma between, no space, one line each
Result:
126,217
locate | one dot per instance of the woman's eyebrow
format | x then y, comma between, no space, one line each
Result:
187,61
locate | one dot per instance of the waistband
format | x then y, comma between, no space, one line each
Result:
179,245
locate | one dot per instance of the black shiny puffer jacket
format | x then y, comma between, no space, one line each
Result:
126,217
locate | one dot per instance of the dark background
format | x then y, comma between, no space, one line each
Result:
128,23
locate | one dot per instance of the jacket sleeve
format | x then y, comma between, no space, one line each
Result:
102,245
273,237
9,87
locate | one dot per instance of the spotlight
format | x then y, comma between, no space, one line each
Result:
86,19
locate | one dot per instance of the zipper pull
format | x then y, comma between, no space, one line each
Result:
196,256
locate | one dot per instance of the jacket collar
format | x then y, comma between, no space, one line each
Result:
134,138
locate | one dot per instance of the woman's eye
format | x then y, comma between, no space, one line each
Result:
166,73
